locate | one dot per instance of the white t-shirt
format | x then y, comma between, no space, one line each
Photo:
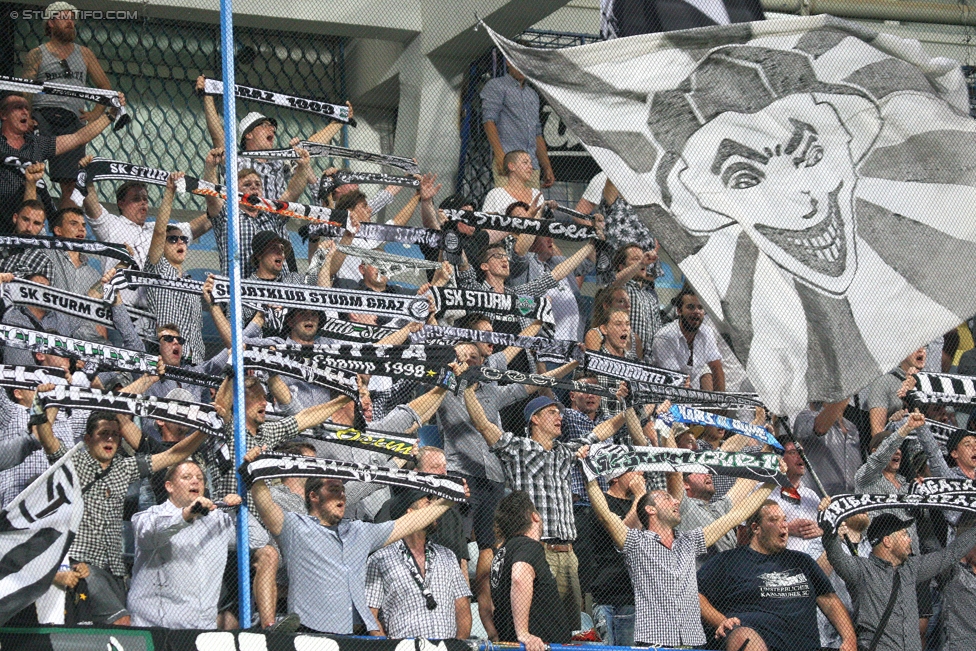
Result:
805,510
499,199
671,351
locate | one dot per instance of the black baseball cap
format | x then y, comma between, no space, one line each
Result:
886,524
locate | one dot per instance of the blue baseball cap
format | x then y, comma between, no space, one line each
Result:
536,404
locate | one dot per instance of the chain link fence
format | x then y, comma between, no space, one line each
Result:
146,556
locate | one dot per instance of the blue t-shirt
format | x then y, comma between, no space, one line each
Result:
775,594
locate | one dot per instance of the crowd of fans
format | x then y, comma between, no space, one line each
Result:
658,559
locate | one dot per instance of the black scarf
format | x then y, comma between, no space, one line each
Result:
274,363
505,305
558,348
321,150
373,440
337,112
106,249
95,95
631,370
344,177
482,374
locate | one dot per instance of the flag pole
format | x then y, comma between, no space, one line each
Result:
234,270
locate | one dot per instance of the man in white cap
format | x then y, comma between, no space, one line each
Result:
62,61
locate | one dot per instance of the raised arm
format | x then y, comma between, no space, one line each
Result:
476,412
610,520
428,190
567,266
318,414
300,178
417,520
214,158
715,530
158,242
269,512
44,429
215,125
329,131
402,217
530,331
178,452
220,319
85,134
607,428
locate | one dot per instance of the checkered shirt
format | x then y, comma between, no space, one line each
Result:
645,313
275,174
178,308
391,588
249,227
665,587
545,476
576,426
99,539
25,261
269,434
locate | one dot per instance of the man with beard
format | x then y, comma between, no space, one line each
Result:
661,562
417,584
765,596
27,221
324,550
684,345
636,271
62,61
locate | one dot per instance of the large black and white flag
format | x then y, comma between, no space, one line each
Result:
36,530
812,178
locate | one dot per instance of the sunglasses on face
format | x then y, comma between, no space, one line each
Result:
173,239
171,338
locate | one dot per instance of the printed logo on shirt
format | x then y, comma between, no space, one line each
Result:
784,585
496,567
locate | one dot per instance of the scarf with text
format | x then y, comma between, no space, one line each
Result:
557,230
844,506
379,232
194,415
344,177
388,264
631,370
424,364
482,374
612,458
562,349
684,414
95,95
494,303
355,332
337,112
276,466
99,356
655,393
28,377
275,363
373,440
90,247
941,431
30,294
942,388
321,150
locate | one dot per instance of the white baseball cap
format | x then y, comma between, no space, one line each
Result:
250,121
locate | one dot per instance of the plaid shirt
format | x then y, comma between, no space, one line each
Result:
275,174
391,588
578,426
645,311
545,476
23,261
249,227
178,308
269,434
665,587
99,540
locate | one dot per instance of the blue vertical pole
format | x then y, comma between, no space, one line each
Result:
237,344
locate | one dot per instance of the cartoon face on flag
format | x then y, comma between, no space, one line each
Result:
812,179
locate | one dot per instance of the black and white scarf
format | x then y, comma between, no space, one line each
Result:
557,230
631,370
190,414
355,332
490,374
95,95
557,348
90,247
380,232
275,466
941,432
942,388
373,440
844,506
337,112
503,305
655,393
48,297
322,150
684,414
275,363
424,364
28,377
388,264
344,177
612,458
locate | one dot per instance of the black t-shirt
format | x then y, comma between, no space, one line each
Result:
547,619
776,594
611,582
35,149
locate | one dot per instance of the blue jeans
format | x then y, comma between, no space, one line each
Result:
614,624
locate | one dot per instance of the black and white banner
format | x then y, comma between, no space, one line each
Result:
612,458
941,432
28,377
388,264
344,177
29,294
319,299
273,466
844,506
36,531
321,150
490,374
337,112
191,414
943,388
385,442
818,255
275,363
492,303
655,393
380,232
683,414
90,247
631,370
564,349
95,95
557,230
